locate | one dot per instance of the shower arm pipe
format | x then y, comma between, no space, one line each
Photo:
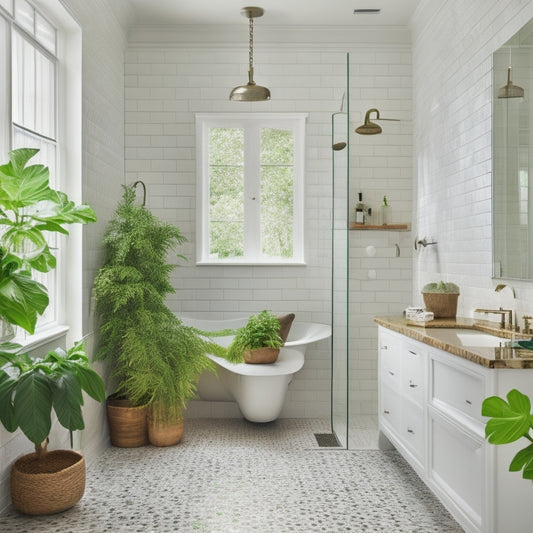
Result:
134,186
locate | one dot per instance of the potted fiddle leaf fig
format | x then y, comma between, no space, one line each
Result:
30,388
510,421
258,341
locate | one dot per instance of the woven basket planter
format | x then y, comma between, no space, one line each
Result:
162,434
48,485
443,305
128,427
261,356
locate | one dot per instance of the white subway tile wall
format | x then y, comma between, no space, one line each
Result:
166,83
453,44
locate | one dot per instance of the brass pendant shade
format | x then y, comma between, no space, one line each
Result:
250,92
509,90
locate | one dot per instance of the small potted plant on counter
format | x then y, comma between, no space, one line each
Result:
441,298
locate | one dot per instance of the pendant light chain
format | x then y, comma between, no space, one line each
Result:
251,44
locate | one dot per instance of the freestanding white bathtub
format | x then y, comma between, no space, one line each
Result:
259,390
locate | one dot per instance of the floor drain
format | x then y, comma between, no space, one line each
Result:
327,440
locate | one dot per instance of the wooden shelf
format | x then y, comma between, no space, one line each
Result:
385,227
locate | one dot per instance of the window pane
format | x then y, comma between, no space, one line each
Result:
7,5
45,33
24,15
277,192
226,192
45,102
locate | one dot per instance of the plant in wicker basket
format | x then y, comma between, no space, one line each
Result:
258,341
30,388
441,298
155,359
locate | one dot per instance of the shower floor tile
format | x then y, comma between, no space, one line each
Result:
229,475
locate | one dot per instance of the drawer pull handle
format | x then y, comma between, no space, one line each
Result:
384,347
468,402
386,411
413,385
411,352
391,372
410,431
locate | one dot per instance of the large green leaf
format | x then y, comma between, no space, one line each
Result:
510,420
7,410
523,460
67,401
22,299
33,406
23,185
91,383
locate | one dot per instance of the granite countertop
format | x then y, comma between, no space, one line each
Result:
500,357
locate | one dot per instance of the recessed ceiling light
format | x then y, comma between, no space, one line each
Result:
371,11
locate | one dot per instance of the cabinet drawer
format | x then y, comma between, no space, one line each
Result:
413,429
413,374
457,467
391,410
458,388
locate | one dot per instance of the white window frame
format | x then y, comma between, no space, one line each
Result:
251,123
65,290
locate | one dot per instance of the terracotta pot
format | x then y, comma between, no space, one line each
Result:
261,356
164,434
49,484
128,426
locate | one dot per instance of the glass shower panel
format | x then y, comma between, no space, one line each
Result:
340,268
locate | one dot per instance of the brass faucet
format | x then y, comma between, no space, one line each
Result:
502,313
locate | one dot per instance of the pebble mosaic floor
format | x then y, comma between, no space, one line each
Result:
229,475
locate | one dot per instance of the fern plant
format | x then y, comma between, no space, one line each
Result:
154,357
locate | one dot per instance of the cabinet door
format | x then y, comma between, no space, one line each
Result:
456,468
390,363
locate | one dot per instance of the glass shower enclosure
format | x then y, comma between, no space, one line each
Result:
340,145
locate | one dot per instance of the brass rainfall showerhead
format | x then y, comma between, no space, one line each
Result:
369,127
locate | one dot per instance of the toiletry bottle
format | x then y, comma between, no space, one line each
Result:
385,213
360,209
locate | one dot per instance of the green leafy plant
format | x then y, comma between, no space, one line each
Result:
441,288
29,207
154,357
511,420
31,387
261,331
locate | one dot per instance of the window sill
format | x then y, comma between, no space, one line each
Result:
32,342
250,263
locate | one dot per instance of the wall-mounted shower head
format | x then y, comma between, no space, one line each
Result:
369,127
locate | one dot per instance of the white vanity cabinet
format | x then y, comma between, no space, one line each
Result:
430,411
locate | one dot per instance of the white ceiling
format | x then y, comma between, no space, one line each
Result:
277,12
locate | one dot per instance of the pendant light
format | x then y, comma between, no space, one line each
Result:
509,90
250,92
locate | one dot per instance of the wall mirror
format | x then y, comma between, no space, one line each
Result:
512,160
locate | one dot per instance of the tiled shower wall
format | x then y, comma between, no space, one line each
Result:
453,43
171,75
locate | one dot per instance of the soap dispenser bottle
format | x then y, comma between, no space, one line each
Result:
360,210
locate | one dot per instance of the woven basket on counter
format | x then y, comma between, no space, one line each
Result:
443,305
49,484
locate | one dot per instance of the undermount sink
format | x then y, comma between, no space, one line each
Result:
467,338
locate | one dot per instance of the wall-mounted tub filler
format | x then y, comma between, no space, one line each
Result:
423,242
259,390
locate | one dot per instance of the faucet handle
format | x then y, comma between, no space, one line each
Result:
527,327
